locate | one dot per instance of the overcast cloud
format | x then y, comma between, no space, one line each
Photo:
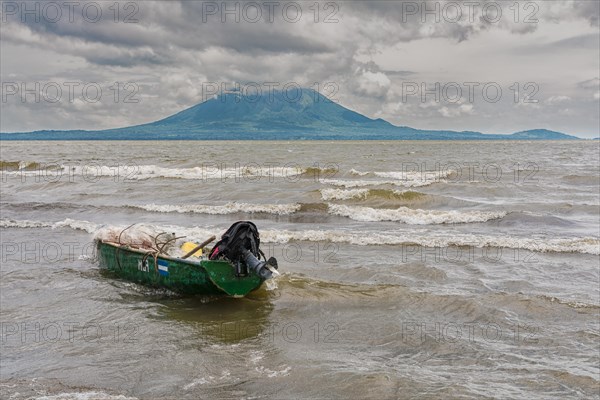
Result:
375,58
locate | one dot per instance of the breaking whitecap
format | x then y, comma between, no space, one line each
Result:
588,245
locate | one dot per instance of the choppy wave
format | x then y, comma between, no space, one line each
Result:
570,303
46,206
86,226
320,171
93,395
589,245
424,176
229,208
358,213
144,172
313,207
398,178
364,194
350,183
408,175
10,223
402,214
358,173
412,216
19,165
340,194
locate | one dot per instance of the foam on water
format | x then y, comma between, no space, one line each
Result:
9,223
424,176
412,216
229,208
364,194
210,379
143,172
348,183
358,173
341,194
84,396
589,245
369,290
87,226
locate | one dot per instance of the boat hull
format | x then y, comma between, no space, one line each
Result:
209,277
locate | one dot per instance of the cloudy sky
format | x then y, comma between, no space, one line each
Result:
495,67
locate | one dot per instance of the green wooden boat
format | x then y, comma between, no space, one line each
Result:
185,276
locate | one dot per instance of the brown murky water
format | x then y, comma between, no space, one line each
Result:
410,270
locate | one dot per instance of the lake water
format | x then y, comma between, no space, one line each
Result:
409,270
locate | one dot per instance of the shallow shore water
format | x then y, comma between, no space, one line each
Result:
409,270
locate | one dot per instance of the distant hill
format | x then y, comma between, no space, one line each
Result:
540,134
293,115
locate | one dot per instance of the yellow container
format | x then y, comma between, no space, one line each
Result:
189,246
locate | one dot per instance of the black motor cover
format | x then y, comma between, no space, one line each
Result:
242,235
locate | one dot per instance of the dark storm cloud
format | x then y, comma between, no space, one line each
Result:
589,10
159,32
171,48
168,31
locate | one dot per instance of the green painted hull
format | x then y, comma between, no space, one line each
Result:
181,276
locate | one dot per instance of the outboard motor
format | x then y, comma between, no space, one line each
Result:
264,269
240,244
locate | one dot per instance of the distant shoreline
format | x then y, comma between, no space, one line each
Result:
314,117
2,139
